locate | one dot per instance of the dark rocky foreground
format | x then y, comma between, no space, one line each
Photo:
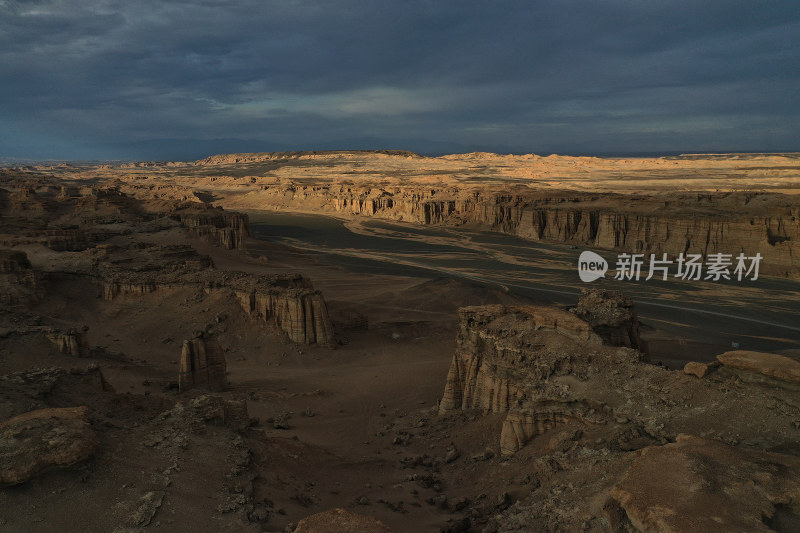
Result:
622,445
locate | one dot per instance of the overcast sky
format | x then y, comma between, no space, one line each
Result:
158,79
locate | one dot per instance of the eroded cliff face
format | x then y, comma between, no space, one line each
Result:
228,229
547,367
729,223
299,312
503,353
74,218
499,349
604,429
40,210
73,341
286,302
202,365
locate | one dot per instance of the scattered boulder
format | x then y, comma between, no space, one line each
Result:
696,484
771,365
341,521
696,369
39,440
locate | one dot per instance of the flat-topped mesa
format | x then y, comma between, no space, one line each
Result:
499,348
510,359
227,228
611,315
141,269
288,301
301,313
202,365
59,240
256,157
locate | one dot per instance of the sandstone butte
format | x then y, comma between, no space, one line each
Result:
545,368
503,354
202,365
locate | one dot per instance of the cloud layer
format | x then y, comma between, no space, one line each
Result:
155,79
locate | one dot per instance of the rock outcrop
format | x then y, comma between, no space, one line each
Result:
341,521
202,365
227,228
698,484
504,353
209,409
301,313
13,261
768,365
611,315
524,424
594,423
36,441
142,269
18,281
545,367
287,302
73,341
499,348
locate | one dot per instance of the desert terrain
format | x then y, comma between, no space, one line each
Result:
383,341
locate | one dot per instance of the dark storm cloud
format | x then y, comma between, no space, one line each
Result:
101,78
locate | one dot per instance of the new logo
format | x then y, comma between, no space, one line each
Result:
591,266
